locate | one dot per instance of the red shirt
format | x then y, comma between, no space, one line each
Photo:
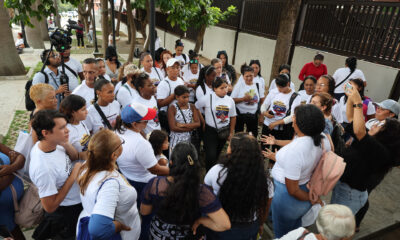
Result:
310,69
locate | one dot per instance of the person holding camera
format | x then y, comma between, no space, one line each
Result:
72,67
51,75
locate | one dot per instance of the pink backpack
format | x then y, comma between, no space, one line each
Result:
325,176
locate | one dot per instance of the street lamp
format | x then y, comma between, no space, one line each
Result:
152,27
96,50
113,23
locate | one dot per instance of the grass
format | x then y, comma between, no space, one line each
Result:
27,69
37,68
19,122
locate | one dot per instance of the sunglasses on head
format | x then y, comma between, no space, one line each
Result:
193,61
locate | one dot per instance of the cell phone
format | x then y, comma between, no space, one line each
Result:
348,86
271,112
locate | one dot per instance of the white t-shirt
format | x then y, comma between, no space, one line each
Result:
107,77
211,179
305,98
95,123
256,79
137,156
182,59
297,160
86,92
240,90
226,77
76,66
116,199
342,104
342,73
166,88
79,136
337,111
273,85
222,109
191,78
295,234
200,94
152,103
126,94
19,42
117,87
155,75
279,104
49,171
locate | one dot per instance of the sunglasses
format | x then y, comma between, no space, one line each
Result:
193,61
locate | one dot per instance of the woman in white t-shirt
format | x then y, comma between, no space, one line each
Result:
294,165
155,74
309,89
258,79
179,55
326,84
74,107
165,91
220,120
190,77
217,63
276,107
247,97
104,111
204,82
283,69
108,200
164,57
146,90
127,91
246,201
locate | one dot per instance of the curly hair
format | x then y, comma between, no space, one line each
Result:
245,189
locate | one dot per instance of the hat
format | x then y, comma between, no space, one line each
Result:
390,105
135,112
171,62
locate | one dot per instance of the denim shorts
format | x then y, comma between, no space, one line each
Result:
350,197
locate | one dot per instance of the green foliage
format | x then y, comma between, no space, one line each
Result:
25,10
64,7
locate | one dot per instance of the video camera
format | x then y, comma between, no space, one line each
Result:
61,39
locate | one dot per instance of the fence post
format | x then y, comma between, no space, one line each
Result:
239,27
395,92
298,30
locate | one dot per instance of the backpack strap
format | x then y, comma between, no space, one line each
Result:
125,86
103,117
184,57
292,98
101,185
15,198
70,69
46,77
155,69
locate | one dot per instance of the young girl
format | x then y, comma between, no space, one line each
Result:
309,89
192,56
104,111
220,120
164,57
165,91
283,69
183,117
204,82
74,107
159,141
179,55
190,77
146,89
127,91
217,63
247,97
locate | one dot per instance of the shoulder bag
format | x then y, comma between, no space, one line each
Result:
103,117
223,133
194,134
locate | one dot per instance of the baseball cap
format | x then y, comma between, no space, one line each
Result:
135,112
390,105
171,62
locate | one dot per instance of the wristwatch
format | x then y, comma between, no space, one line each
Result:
358,105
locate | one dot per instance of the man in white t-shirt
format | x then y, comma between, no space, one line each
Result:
165,90
86,88
53,173
73,69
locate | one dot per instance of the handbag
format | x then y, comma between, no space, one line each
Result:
224,132
83,225
194,134
24,145
288,130
29,212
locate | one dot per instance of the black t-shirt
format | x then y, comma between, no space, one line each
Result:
367,162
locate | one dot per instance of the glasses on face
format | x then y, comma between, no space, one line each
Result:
143,121
119,145
321,85
55,56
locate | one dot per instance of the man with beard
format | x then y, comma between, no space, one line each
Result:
52,74
73,69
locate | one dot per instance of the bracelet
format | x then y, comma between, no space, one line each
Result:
358,105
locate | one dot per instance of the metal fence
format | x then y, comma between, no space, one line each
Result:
161,22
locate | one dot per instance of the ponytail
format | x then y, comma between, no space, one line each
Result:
317,139
121,126
351,62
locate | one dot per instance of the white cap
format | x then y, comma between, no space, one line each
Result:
171,62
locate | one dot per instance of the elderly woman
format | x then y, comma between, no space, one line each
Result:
334,222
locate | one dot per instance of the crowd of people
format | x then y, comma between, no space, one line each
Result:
137,152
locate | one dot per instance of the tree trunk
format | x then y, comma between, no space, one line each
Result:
44,31
104,24
119,18
84,11
144,25
199,38
287,23
133,30
57,15
34,35
10,63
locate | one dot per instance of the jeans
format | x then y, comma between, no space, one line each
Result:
287,211
238,231
350,197
212,146
251,121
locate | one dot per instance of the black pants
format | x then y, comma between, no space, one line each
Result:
251,121
279,135
60,224
212,146
79,38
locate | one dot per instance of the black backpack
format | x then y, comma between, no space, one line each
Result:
29,104
337,138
